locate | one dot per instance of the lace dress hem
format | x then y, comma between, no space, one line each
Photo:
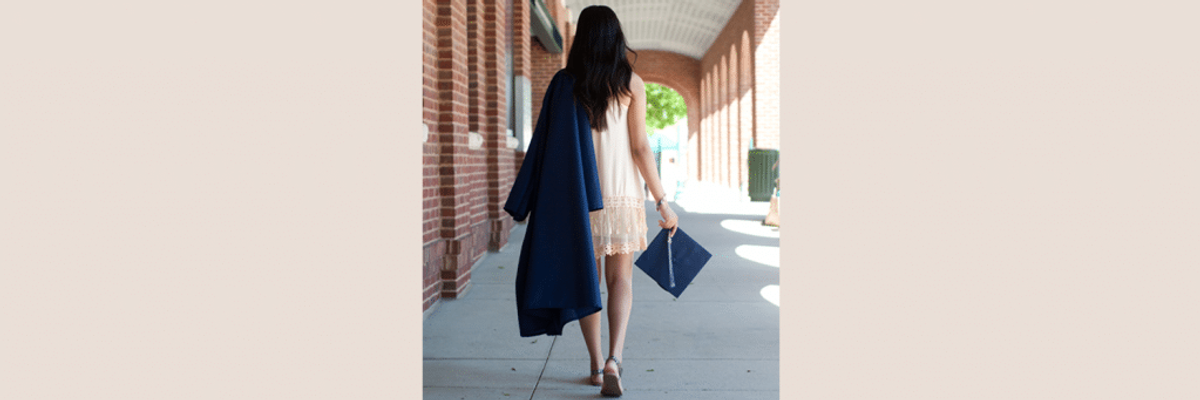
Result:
620,227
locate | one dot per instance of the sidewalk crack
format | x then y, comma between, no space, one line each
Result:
540,374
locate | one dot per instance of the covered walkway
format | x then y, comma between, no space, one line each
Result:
486,64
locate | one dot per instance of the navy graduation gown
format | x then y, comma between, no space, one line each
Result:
556,187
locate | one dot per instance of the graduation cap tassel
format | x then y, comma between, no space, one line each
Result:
670,263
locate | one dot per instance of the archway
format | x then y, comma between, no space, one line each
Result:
681,73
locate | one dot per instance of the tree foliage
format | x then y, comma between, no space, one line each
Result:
664,107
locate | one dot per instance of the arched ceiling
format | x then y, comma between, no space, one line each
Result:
686,27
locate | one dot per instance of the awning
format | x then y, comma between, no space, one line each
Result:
544,27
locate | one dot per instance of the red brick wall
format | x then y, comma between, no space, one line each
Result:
543,65
677,71
432,293
464,188
766,71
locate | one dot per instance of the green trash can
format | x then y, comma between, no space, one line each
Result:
762,176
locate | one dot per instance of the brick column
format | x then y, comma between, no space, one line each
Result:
475,54
707,144
746,93
453,124
433,246
722,69
716,108
500,173
736,157
713,124
693,139
702,137
473,246
702,143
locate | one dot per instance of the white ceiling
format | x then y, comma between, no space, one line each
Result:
680,26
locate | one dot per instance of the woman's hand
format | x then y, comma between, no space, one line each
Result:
669,219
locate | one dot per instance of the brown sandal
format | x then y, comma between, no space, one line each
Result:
612,382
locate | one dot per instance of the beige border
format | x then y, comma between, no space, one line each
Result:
991,200
205,200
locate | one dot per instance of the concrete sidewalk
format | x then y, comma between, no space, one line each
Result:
719,340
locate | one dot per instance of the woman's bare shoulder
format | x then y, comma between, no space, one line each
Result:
635,81
636,88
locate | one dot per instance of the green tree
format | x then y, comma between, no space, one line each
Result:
664,106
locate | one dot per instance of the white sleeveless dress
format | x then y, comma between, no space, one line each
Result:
620,227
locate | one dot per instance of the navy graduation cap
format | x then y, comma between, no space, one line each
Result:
673,261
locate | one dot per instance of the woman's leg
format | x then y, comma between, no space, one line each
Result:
618,272
591,337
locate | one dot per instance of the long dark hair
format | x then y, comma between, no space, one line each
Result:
597,60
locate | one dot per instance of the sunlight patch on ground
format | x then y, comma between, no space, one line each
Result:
768,255
771,293
707,198
719,205
753,228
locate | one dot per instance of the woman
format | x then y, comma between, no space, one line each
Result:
615,100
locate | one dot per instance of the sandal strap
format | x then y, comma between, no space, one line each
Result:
620,370
598,372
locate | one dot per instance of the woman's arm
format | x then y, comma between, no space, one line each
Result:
639,145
